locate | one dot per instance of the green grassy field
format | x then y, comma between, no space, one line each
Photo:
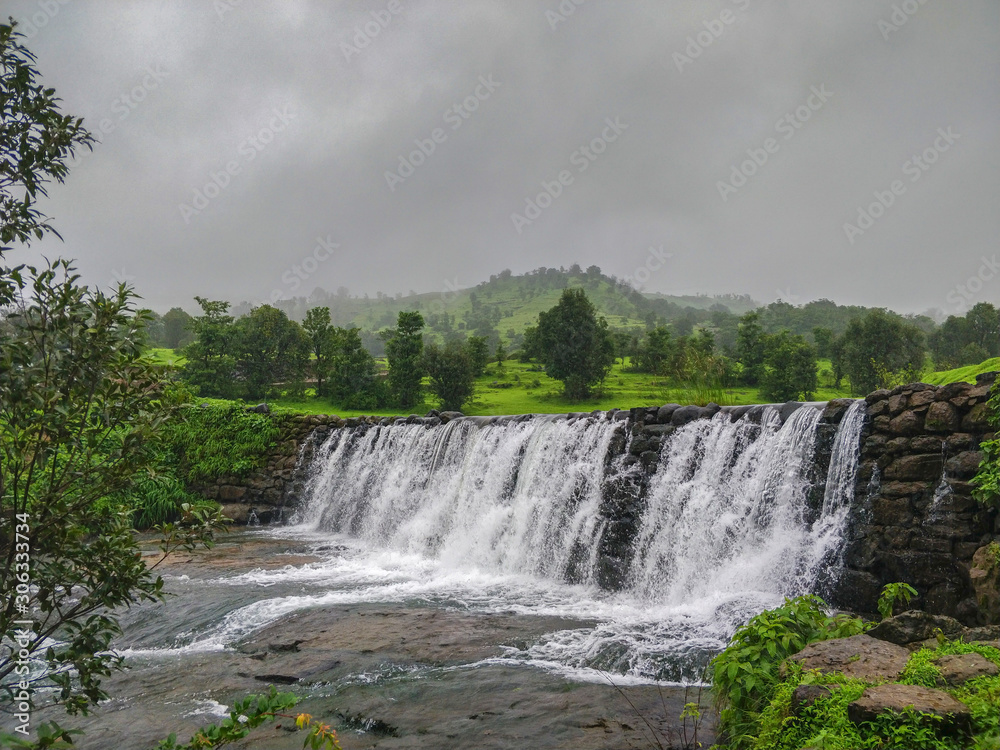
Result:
963,374
523,388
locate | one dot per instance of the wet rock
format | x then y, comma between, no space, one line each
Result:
914,625
926,467
447,416
787,409
942,417
658,429
229,492
805,695
964,465
907,423
897,698
836,409
978,419
985,577
880,395
860,656
959,668
685,414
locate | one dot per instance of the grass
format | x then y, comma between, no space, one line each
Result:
965,374
513,390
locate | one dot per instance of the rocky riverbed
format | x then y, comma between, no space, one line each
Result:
417,671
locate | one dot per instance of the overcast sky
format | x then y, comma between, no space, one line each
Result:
739,137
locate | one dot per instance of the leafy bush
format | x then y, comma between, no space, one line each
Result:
892,593
764,720
215,441
746,675
987,480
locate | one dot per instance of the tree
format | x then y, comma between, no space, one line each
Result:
36,141
403,349
500,354
654,354
451,374
269,349
80,410
879,343
750,347
984,328
824,340
574,344
354,382
80,407
789,369
479,354
176,328
210,365
322,343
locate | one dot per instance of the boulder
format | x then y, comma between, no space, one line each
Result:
237,512
914,625
447,416
925,466
658,429
835,409
978,419
259,409
959,668
907,423
942,417
880,395
228,493
805,695
859,656
685,414
985,576
787,409
964,465
897,698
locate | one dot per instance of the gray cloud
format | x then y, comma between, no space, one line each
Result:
224,75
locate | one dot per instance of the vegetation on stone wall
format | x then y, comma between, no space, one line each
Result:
987,480
771,703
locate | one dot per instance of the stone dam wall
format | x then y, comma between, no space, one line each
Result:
914,518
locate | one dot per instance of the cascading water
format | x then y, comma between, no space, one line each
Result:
507,516
518,498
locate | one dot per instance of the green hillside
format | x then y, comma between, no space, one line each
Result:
507,304
965,374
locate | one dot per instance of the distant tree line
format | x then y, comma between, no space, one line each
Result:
775,348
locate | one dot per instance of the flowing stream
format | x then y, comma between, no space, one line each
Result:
453,555
507,518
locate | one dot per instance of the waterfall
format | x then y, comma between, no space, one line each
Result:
517,497
726,511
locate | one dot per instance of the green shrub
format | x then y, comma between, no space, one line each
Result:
987,480
214,441
746,675
892,593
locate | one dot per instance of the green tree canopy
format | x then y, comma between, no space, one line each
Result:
268,349
404,349
789,369
322,344
575,344
176,328
879,343
36,141
354,382
452,380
